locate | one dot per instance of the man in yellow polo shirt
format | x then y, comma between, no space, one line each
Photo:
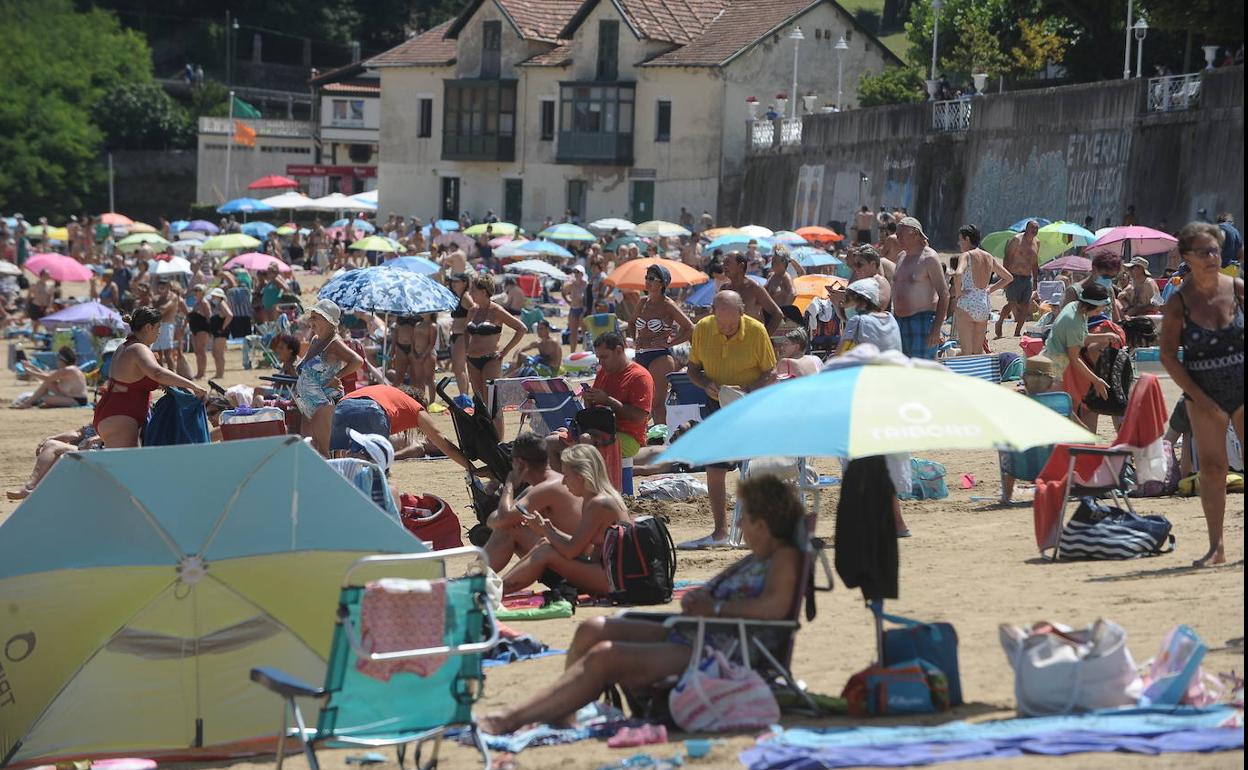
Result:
729,349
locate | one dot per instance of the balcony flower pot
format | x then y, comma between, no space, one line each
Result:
980,79
1211,55
752,107
782,106
932,87
808,102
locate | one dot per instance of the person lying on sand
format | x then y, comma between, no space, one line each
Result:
534,487
639,653
50,450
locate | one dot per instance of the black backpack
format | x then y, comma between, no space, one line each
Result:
640,559
1117,367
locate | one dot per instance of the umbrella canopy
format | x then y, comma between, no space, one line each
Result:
628,240
1134,240
1021,224
611,223
363,205
704,294
738,242
1069,262
420,265
172,590
388,289
173,266
8,268
185,246
357,224
445,225
229,242
244,206
83,314
203,226
864,410
255,261
819,235
139,227
632,274
719,232
788,238
657,228
369,196
191,235
757,231
567,231
59,267
809,256
503,240
374,243
542,247
1079,236
258,229
132,242
537,267
178,225
494,228
289,200
114,219
273,182
51,233
1049,245
456,240
816,284
333,202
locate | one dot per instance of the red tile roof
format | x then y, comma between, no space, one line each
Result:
741,25
540,19
559,56
671,21
428,49
371,89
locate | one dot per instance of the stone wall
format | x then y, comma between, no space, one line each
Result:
1068,153
149,184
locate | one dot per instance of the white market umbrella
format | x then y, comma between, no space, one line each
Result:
536,267
289,200
173,266
333,202
612,223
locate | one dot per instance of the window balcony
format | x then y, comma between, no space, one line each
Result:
479,122
596,123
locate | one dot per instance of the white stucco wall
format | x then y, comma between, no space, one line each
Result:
407,171
246,164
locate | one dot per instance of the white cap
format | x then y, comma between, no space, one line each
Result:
868,289
327,309
376,446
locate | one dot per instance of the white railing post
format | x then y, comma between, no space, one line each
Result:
1174,92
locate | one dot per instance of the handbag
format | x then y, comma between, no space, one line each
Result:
935,643
1058,670
910,687
430,519
1099,531
717,695
1174,676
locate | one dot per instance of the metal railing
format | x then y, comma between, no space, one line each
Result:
1174,92
762,134
952,115
263,127
791,131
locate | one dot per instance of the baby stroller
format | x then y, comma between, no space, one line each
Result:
478,441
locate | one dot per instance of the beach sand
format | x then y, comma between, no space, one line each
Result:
971,563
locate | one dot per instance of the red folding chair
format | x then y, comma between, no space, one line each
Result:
267,421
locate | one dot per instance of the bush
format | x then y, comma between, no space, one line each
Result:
141,116
895,85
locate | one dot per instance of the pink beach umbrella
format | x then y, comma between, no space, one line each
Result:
59,267
1133,240
255,261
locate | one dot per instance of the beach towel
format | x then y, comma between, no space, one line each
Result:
399,615
177,418
516,648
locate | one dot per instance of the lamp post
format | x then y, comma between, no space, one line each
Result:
1141,32
797,37
840,46
1126,51
936,6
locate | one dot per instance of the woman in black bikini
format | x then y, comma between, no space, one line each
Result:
219,320
660,324
415,338
1206,316
198,325
458,283
483,331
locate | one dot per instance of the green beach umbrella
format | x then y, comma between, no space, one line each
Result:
132,242
229,242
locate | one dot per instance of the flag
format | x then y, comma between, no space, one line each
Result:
242,109
244,134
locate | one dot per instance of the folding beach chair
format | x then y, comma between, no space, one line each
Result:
551,405
371,480
1027,464
252,423
765,646
685,401
986,366
599,324
358,710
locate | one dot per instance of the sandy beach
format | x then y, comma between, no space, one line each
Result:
971,563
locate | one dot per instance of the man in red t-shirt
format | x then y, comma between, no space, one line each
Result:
623,386
386,411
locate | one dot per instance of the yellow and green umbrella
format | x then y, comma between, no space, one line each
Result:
1054,239
229,242
872,409
495,228
375,243
137,597
132,242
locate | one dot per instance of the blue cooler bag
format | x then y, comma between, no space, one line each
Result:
935,643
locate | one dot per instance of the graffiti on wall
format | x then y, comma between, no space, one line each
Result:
808,196
898,183
1096,166
1003,190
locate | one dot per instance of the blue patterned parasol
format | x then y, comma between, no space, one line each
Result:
387,289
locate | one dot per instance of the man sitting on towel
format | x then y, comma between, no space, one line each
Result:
542,493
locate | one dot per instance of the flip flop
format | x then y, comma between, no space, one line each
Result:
703,543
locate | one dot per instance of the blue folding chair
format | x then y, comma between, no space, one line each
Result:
1027,464
986,366
682,392
551,404
361,711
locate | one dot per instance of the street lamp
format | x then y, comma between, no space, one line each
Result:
1141,32
931,84
1126,51
797,37
841,45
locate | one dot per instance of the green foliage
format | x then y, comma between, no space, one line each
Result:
1214,22
998,37
895,85
978,47
141,116
58,65
210,99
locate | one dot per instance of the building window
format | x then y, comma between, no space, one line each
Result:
548,121
608,50
663,122
479,120
596,123
577,192
491,48
425,129
348,112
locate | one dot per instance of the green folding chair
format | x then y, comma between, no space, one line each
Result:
360,711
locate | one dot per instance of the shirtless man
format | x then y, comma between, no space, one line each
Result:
39,301
1022,259
455,262
545,494
920,294
890,249
862,225
165,347
758,303
549,351
780,283
573,292
65,385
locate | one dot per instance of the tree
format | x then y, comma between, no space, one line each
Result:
1040,44
895,85
141,116
998,37
978,47
58,64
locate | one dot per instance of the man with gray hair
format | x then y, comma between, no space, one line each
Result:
920,294
1022,259
729,350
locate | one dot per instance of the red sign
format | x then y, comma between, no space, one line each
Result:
362,172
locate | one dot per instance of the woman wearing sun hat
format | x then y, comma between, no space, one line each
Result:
1069,337
327,358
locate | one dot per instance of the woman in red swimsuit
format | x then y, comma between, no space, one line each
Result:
134,373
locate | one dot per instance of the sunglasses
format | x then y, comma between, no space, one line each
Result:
1215,252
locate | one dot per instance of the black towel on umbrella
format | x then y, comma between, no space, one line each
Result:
866,534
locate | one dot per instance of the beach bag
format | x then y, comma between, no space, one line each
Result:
431,519
935,643
1174,677
927,481
1107,532
907,687
717,695
1117,368
1166,486
640,560
1058,670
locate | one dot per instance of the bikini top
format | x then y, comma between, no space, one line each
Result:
655,325
484,328
459,312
